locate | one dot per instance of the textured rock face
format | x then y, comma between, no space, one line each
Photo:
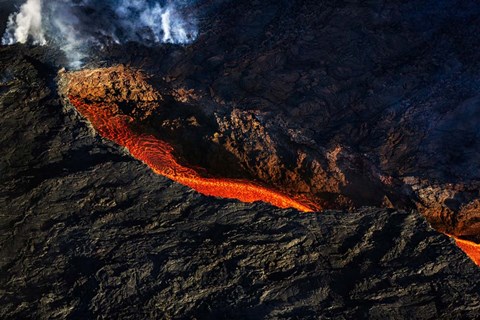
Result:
89,232
121,87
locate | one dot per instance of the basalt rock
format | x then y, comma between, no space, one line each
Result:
123,87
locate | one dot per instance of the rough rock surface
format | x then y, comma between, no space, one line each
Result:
123,87
86,231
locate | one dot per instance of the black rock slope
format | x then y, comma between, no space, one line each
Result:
88,232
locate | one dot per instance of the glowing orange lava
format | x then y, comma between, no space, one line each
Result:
158,155
95,94
472,249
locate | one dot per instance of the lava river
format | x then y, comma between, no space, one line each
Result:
112,124
86,93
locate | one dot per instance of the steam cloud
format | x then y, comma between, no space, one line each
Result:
27,22
77,26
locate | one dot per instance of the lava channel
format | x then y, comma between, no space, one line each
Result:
158,155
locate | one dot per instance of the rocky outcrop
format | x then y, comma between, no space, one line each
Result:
123,88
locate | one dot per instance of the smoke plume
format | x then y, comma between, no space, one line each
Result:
80,26
26,23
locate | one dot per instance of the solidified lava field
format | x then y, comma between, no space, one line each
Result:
240,160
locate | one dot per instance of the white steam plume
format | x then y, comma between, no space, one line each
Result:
25,24
80,26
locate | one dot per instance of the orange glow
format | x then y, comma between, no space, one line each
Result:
87,88
472,249
158,155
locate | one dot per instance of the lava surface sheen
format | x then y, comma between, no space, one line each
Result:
158,155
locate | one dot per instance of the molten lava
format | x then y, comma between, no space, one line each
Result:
472,249
98,94
158,155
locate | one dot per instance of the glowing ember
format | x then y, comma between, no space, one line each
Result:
157,154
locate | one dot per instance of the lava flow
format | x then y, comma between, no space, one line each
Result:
472,249
114,125
99,94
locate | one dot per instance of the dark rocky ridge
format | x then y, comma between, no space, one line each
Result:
88,232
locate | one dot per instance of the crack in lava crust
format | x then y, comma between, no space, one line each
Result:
157,154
